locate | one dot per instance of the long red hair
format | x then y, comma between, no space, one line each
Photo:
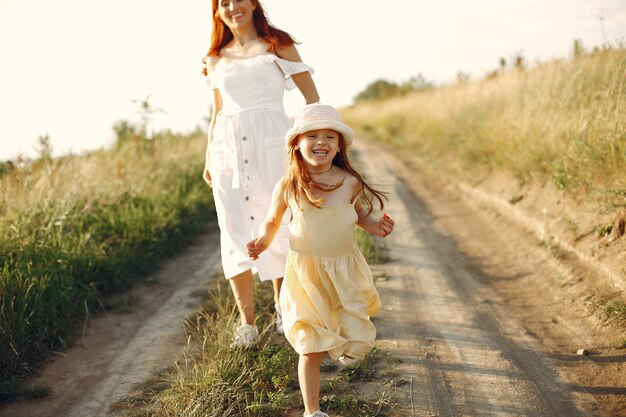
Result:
222,35
299,184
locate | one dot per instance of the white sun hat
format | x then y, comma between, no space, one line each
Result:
319,116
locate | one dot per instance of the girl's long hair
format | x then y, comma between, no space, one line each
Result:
300,185
222,34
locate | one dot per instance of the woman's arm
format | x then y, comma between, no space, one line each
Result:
303,80
217,106
209,65
272,221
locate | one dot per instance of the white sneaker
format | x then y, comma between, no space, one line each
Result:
245,336
347,360
279,320
318,413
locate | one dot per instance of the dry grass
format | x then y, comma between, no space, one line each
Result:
564,122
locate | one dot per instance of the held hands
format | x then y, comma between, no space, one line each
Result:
256,246
384,226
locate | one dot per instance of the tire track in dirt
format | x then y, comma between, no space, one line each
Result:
459,346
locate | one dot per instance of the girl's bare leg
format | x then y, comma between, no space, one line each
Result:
309,378
243,290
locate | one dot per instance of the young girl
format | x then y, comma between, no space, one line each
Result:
328,294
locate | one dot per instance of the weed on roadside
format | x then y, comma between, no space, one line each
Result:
549,243
608,308
616,308
357,390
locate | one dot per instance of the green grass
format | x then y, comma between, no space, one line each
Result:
616,308
562,122
211,379
339,394
374,251
75,229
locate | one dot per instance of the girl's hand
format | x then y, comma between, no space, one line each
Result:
384,226
255,247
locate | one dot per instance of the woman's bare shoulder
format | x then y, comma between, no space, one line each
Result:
289,53
210,62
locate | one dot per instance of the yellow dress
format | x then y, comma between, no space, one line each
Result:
328,295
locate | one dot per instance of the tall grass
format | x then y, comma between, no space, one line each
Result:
78,227
563,121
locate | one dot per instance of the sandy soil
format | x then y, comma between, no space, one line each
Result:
480,319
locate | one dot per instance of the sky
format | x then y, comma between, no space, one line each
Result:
70,69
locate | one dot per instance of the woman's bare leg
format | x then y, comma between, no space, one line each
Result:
276,284
309,378
243,290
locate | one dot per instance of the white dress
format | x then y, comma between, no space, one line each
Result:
248,156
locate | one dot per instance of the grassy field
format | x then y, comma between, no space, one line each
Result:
562,122
75,228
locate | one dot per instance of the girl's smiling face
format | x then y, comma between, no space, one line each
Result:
319,147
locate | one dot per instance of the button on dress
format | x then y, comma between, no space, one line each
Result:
328,294
248,156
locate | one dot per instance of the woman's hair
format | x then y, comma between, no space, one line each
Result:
222,34
299,184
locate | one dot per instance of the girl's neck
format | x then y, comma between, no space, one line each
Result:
326,179
320,170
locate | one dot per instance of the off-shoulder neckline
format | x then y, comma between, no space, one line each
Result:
236,62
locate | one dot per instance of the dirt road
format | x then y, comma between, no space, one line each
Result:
483,320
480,314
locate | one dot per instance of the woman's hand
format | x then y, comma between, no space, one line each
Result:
205,71
207,173
256,246
384,226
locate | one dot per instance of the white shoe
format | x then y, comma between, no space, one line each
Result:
279,320
348,361
318,413
245,336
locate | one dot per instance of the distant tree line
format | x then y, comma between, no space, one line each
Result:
382,89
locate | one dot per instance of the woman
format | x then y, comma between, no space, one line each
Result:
249,65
